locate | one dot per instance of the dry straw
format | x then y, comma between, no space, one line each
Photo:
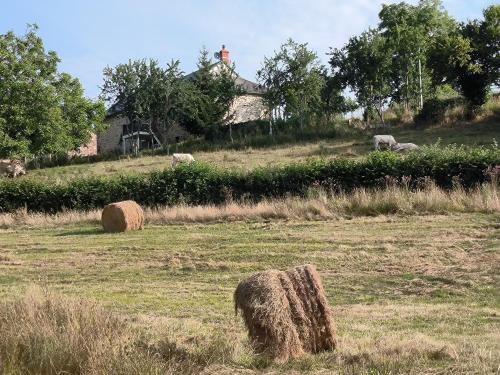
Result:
122,216
286,313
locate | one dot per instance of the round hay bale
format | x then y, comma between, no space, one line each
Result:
122,216
286,313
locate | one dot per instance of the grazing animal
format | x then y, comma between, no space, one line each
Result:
386,140
405,147
181,158
12,168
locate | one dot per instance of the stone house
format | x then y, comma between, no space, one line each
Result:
120,137
88,149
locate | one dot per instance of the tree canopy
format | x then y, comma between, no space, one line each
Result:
42,111
294,79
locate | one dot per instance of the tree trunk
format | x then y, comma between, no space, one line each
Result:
420,81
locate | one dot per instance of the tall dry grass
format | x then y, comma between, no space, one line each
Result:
318,205
47,334
43,333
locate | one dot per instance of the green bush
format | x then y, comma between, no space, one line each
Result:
436,110
201,183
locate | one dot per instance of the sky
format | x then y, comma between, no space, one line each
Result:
92,34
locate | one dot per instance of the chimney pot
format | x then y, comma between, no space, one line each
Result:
224,54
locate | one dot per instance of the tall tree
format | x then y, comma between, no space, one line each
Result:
148,93
409,31
218,90
363,65
294,79
469,59
42,111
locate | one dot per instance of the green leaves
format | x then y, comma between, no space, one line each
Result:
469,58
201,183
41,111
148,93
294,79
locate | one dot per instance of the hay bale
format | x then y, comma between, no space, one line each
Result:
286,313
122,216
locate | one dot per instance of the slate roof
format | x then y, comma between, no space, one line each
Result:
248,86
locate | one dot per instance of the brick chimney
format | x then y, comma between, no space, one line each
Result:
224,54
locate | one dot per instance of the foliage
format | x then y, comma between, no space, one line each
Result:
42,111
363,65
469,59
294,79
201,183
217,90
148,93
409,31
436,109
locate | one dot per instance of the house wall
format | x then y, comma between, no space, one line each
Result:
88,149
247,108
109,140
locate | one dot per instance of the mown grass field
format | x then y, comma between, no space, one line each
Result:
351,146
411,294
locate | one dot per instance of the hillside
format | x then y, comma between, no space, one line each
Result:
351,146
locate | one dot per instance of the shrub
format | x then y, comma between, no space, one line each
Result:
441,111
201,183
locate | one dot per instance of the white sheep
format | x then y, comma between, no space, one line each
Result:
12,168
386,140
404,147
181,158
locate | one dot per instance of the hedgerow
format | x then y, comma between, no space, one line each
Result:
202,183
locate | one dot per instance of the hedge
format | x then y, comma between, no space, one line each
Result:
201,183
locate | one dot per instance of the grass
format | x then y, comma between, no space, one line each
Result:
319,205
350,145
411,293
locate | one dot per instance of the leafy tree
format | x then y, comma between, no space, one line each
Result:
148,93
469,59
334,100
363,65
42,111
294,79
409,31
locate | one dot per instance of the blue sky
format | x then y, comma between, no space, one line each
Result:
88,35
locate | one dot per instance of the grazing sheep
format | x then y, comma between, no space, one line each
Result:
405,147
386,140
12,168
181,158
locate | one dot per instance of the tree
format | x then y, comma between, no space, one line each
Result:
148,93
42,111
409,31
334,100
218,90
469,59
294,79
363,65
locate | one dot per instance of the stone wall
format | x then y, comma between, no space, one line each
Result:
248,108
88,149
109,140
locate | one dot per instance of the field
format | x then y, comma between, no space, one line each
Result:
412,276
351,146
410,293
